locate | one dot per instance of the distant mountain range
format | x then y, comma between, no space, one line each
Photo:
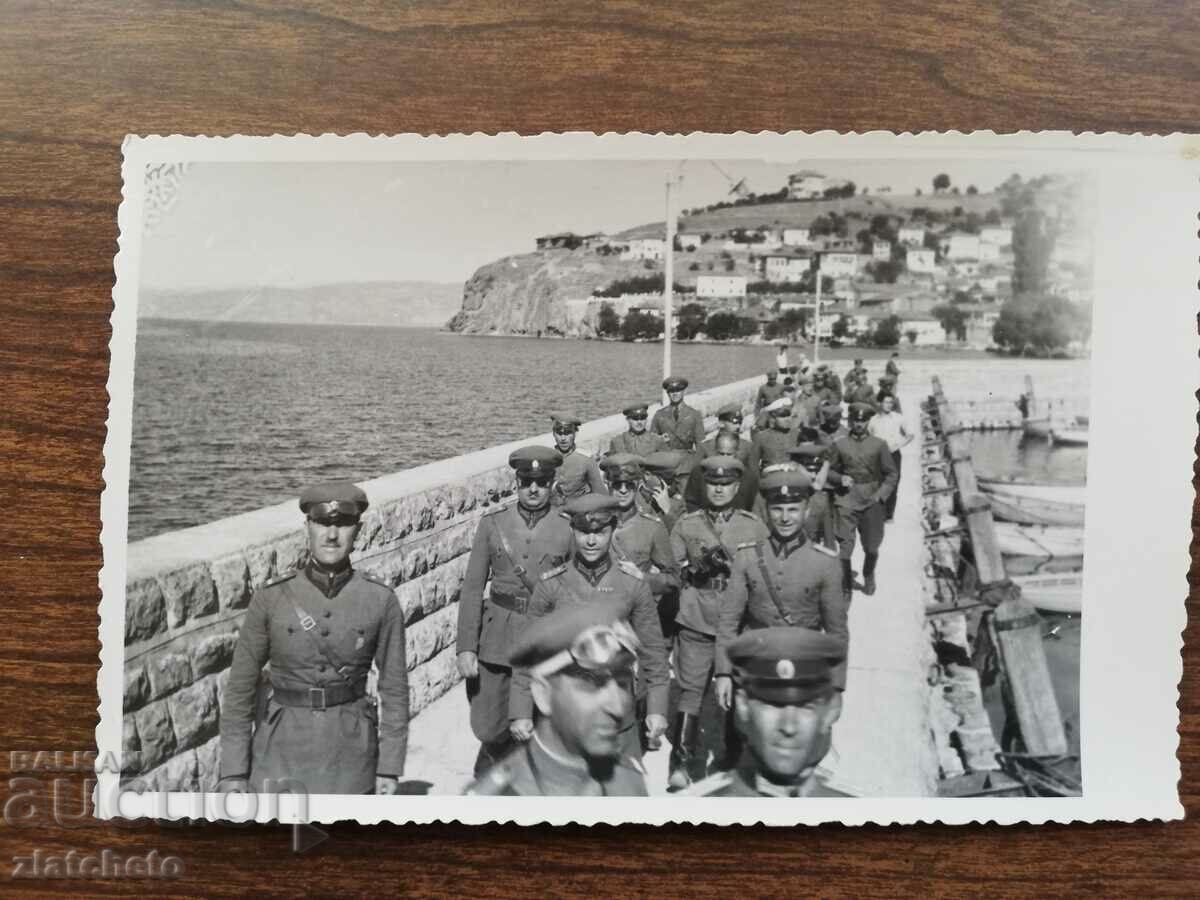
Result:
410,303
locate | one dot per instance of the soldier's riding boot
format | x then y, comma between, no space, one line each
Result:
869,573
684,731
847,580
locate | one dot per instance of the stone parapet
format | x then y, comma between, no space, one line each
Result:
186,592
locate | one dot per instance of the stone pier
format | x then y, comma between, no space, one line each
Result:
186,592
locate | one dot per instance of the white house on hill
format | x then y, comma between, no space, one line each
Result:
807,185
645,248
785,265
921,261
912,236
960,246
881,250
796,237
720,286
1000,235
841,264
690,241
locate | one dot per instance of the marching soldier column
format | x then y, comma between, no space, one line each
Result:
584,596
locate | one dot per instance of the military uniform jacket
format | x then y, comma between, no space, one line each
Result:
533,771
771,446
892,369
767,394
798,583
579,475
694,532
869,462
340,749
744,781
643,539
682,426
567,584
821,520
638,444
862,393
536,543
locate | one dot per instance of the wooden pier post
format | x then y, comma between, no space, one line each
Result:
1015,625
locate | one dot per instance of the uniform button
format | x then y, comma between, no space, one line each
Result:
324,632
291,629
320,668
328,614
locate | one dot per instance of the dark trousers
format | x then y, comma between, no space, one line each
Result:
488,696
891,501
695,654
865,523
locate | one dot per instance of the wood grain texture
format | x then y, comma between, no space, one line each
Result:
75,78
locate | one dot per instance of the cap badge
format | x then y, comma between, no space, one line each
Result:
533,464
785,668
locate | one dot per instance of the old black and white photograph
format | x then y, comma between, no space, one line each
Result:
686,476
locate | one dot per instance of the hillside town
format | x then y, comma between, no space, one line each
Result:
919,271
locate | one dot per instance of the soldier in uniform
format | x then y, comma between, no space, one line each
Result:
893,367
887,388
857,375
659,494
729,422
860,392
580,661
771,444
681,425
637,440
704,543
862,466
785,703
578,473
821,523
320,629
513,546
769,392
830,430
641,538
593,575
785,579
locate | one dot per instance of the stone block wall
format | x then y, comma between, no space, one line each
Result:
186,592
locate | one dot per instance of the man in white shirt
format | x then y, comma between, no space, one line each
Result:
781,359
888,425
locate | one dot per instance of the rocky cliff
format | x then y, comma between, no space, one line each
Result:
526,294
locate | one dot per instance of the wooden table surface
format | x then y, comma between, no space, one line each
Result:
76,77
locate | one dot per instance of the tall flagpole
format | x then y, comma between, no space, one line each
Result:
817,311
668,281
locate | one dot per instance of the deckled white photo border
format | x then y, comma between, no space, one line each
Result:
1143,378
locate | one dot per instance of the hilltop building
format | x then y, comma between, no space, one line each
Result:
911,236
785,265
796,237
565,240
714,287
653,249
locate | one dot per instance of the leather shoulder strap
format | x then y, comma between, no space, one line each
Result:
766,577
518,570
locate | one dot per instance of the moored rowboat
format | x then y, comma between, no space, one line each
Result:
1039,540
1072,437
1061,493
1031,511
1053,593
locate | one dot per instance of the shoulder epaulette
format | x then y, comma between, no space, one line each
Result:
498,508
692,514
650,516
557,570
821,548
747,545
631,762
747,514
709,785
374,579
633,573
280,579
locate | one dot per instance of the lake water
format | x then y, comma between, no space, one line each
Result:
231,417
1011,454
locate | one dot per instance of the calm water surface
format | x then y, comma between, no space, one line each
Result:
231,417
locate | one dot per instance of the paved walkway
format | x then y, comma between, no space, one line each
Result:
881,745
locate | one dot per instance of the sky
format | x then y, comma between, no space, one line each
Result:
235,224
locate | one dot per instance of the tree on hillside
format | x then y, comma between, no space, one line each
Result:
972,190
953,321
690,322
886,271
840,328
639,324
1039,324
912,336
721,326
1033,244
608,323
941,182
886,332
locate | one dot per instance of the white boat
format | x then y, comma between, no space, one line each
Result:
1032,511
1071,436
1036,490
1053,593
1039,540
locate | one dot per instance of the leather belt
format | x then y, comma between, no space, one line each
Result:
510,602
319,697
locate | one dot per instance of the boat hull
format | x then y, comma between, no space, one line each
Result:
1053,593
1060,493
1028,511
1069,437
